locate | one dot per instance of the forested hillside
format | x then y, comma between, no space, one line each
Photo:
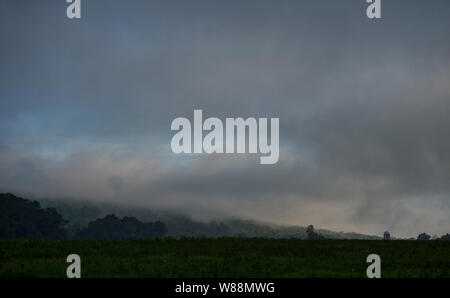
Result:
80,213
21,218
112,228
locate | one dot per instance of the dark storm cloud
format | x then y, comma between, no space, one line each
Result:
86,107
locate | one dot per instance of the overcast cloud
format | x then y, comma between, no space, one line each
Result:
86,107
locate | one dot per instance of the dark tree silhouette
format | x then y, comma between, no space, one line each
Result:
423,236
20,218
311,234
445,237
114,228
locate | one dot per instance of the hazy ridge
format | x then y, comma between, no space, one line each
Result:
80,213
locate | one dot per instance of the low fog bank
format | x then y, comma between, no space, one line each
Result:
79,213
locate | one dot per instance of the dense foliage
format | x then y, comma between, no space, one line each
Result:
445,237
21,218
423,237
113,228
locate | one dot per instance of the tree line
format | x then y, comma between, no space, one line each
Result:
21,218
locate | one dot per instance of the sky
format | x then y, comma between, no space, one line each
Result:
86,108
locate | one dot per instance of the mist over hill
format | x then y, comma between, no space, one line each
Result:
79,213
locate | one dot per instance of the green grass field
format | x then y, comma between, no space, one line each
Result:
224,258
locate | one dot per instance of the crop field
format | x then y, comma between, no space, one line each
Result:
227,257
